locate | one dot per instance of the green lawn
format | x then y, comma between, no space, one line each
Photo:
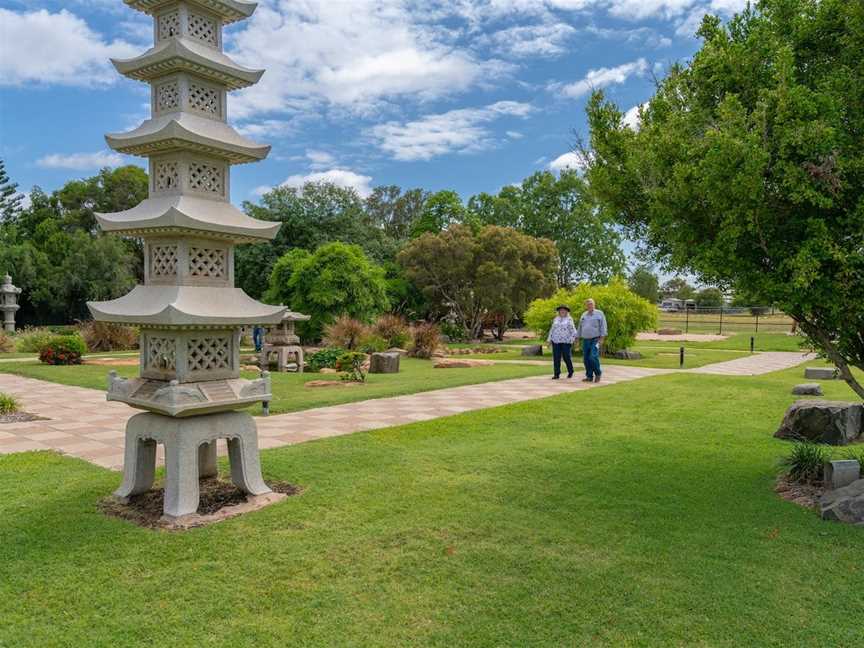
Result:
740,342
290,395
663,357
640,514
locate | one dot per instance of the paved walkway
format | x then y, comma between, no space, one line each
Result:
81,423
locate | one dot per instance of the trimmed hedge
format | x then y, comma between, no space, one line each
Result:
626,312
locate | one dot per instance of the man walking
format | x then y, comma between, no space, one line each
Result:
592,329
562,334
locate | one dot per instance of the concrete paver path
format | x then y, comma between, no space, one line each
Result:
81,423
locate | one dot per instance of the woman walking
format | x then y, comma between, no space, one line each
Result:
562,334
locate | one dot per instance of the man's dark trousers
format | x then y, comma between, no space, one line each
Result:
591,357
565,351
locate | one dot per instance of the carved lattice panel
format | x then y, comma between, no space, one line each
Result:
208,353
162,353
168,96
207,177
205,99
207,262
163,260
204,29
166,176
169,24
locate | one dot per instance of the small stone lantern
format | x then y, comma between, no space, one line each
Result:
9,303
284,342
188,310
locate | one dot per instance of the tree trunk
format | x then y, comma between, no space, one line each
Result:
824,341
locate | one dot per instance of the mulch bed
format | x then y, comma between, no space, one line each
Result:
806,495
20,417
215,494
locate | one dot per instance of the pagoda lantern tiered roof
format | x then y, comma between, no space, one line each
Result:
188,309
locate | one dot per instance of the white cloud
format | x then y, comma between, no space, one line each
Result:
631,117
602,77
55,48
464,130
339,177
544,39
514,134
319,159
80,161
354,55
567,161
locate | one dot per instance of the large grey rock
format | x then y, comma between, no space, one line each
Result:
844,504
807,389
841,472
532,350
625,354
384,363
832,422
820,373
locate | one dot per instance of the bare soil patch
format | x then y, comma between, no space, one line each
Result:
806,495
20,417
216,495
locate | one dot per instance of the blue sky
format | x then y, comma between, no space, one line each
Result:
468,95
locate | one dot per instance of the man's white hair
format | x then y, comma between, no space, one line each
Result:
590,300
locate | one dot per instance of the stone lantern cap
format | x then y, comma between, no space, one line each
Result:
291,316
228,10
7,287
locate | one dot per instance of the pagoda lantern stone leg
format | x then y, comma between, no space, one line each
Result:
207,460
243,454
139,463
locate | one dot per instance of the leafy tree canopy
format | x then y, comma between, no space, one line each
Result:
495,271
748,167
337,279
709,298
678,288
644,283
10,199
440,210
559,209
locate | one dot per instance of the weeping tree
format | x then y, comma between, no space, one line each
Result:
747,166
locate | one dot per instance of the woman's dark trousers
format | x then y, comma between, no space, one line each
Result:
562,351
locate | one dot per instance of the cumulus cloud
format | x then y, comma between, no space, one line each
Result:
567,161
543,39
464,130
339,177
80,161
602,77
55,48
631,117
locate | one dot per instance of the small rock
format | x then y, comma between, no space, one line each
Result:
807,389
384,363
444,338
831,422
669,331
820,373
844,504
841,472
401,352
462,363
532,350
331,383
327,370
250,368
625,354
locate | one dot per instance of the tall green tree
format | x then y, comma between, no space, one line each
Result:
440,210
337,279
644,283
679,288
491,274
10,199
748,167
562,210
395,212
709,298
314,214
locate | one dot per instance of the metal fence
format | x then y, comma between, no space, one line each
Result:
725,320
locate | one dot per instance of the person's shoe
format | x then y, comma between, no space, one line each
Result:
587,380
555,377
597,378
569,375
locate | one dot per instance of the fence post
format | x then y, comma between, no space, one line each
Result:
686,319
721,319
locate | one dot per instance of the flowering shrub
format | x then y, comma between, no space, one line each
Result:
63,350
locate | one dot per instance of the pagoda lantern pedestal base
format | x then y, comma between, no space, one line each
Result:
190,454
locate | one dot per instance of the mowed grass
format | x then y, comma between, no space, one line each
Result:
289,393
638,514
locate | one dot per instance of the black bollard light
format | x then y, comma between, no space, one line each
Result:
752,343
681,357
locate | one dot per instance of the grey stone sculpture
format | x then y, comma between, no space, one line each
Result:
9,303
189,312
384,363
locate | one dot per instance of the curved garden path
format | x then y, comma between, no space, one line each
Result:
81,423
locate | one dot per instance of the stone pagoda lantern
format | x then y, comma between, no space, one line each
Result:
284,343
189,312
9,303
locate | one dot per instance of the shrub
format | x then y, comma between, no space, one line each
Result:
805,463
345,332
351,364
454,332
7,344
104,336
63,350
8,404
626,313
324,358
32,339
426,337
393,329
370,343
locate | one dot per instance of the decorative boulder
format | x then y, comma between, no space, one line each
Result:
844,504
452,363
532,350
807,389
625,354
820,373
832,422
840,473
384,363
